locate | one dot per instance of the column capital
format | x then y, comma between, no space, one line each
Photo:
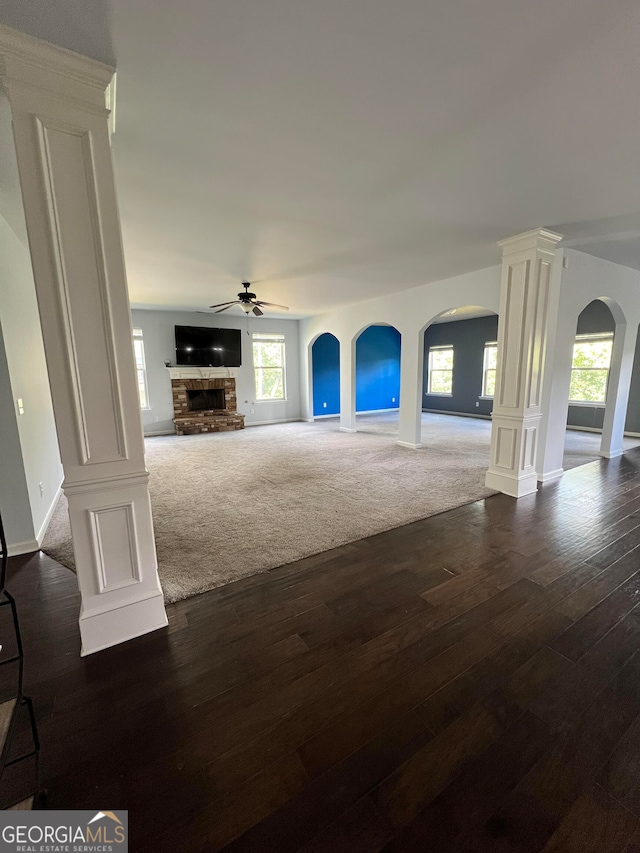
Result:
31,62
538,238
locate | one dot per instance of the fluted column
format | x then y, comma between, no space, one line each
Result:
61,134
527,265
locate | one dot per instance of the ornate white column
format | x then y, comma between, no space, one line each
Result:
527,265
63,152
615,414
411,368
348,386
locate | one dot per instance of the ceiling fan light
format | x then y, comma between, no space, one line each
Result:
246,307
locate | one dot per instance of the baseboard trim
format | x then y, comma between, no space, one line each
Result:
409,445
161,432
458,414
17,548
47,518
365,412
549,476
279,421
599,431
346,429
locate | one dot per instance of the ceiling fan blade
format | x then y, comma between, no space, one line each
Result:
220,304
257,311
226,308
272,305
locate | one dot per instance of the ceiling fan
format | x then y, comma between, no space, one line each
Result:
248,302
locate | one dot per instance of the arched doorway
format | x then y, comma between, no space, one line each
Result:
459,348
377,378
325,375
592,390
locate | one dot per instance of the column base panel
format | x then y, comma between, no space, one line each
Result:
409,445
347,429
101,630
509,484
610,454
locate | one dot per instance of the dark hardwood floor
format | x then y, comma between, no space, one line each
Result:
470,682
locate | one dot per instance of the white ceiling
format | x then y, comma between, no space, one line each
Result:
338,150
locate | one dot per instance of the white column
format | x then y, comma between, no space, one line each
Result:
527,266
411,367
348,386
64,159
561,330
554,426
624,347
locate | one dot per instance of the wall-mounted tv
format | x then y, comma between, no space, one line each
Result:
203,347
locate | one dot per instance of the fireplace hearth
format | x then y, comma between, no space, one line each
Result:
205,405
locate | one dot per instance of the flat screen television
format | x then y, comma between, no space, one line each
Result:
204,347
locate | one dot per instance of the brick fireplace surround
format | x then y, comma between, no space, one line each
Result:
189,422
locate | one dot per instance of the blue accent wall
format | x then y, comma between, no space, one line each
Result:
325,370
378,369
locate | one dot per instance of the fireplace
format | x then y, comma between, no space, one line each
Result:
206,399
205,405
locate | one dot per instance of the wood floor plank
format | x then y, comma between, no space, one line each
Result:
468,682
328,796
450,821
491,673
621,775
334,743
361,829
586,632
594,591
413,785
595,824
532,812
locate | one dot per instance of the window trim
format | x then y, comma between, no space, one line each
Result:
269,338
141,371
587,338
485,369
429,392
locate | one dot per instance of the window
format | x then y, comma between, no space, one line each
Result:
141,370
440,370
489,369
268,363
590,368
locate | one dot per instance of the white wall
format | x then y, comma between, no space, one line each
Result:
28,380
159,346
410,312
14,495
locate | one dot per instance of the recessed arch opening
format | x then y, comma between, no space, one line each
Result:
595,382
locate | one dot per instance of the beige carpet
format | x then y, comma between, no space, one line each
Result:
234,504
